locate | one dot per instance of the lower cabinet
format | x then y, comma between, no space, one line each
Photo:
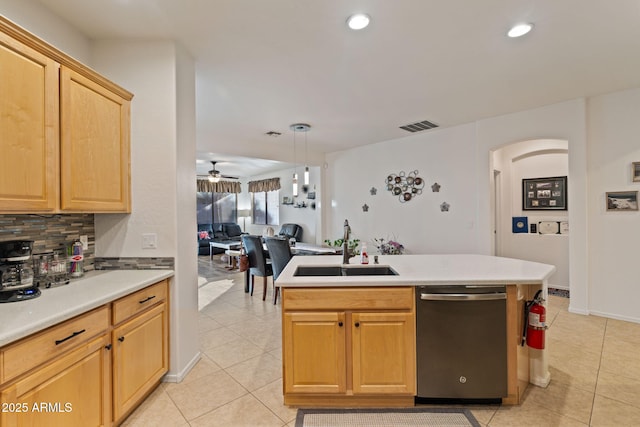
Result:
73,390
97,373
383,348
315,352
140,358
349,350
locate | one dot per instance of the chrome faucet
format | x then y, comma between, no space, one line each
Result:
345,243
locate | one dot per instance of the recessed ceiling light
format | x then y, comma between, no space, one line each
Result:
519,30
358,21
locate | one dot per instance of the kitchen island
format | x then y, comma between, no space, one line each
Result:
349,337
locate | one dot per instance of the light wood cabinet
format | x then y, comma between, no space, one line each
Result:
315,352
140,358
28,128
73,390
91,370
349,346
64,131
94,146
25,355
383,346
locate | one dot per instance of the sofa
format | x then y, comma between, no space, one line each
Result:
291,230
225,232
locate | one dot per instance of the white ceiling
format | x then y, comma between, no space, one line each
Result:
265,64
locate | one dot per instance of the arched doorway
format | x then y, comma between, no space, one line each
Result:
512,163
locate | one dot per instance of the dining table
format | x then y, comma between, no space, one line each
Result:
300,249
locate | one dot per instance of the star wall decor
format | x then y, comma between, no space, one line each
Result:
373,191
435,187
444,207
365,208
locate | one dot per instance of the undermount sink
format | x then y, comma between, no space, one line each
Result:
339,270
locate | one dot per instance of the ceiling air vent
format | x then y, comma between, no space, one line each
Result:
419,126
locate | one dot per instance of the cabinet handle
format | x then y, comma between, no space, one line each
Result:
69,337
340,324
108,346
121,339
357,324
145,300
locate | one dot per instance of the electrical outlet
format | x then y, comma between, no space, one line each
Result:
84,239
149,241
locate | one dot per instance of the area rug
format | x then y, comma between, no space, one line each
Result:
392,417
209,291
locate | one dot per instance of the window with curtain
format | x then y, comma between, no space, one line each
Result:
217,202
266,207
265,201
216,207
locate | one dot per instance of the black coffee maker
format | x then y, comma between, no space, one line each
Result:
16,272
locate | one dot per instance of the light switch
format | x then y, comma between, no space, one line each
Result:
84,239
149,241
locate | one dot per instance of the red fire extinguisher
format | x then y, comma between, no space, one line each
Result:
535,326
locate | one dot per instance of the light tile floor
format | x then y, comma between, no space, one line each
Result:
594,364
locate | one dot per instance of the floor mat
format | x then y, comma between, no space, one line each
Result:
393,417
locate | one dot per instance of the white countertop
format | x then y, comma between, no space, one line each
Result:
57,304
416,270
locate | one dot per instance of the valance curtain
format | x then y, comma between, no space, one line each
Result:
204,185
271,184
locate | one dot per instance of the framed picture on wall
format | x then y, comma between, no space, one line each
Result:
622,200
635,171
540,194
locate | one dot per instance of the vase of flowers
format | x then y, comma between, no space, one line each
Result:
388,247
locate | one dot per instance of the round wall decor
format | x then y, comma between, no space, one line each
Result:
405,186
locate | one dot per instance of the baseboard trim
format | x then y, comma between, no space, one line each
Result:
176,378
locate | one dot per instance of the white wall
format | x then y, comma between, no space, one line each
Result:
159,74
308,218
445,156
459,158
35,18
565,121
532,159
185,333
614,237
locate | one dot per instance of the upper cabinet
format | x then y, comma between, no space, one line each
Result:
28,128
94,146
64,131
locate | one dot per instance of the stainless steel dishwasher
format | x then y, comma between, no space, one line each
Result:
461,342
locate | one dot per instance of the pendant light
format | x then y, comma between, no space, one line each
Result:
306,166
299,127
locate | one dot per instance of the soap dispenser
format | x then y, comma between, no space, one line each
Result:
364,256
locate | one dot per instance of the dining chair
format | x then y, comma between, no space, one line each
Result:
258,265
280,254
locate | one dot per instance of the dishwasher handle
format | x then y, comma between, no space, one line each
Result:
464,297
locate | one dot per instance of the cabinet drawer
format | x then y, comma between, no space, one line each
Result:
33,351
139,301
369,298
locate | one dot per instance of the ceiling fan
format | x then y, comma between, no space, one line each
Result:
215,175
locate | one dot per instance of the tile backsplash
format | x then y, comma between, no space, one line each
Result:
51,233
54,233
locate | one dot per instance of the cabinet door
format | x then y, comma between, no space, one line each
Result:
28,129
73,390
314,352
141,358
383,353
94,157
